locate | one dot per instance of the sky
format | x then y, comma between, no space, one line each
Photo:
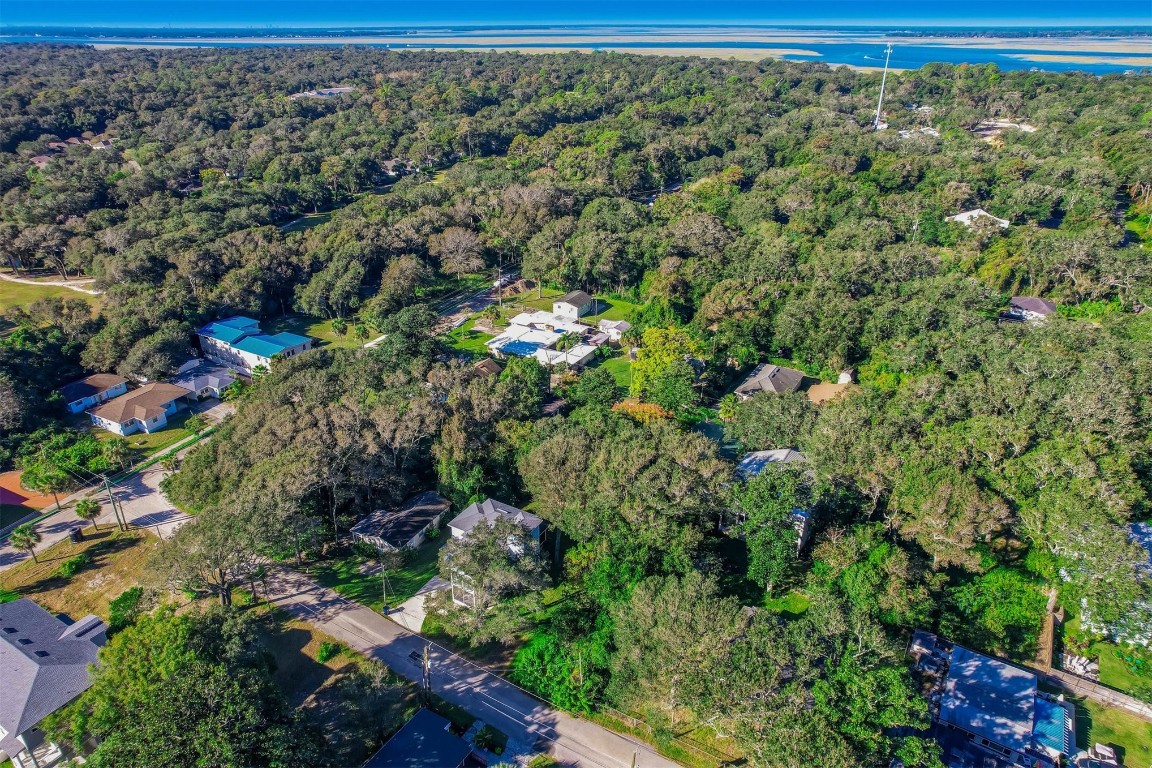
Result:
362,13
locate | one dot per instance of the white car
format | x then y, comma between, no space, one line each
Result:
502,281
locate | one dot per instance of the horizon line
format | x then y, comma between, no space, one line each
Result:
361,26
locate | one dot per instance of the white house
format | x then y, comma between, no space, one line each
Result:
203,379
968,218
614,328
237,342
1030,308
92,390
537,334
44,665
573,305
142,410
491,510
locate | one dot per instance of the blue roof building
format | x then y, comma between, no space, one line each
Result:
237,342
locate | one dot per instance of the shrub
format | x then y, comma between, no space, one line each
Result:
124,610
329,651
491,739
72,565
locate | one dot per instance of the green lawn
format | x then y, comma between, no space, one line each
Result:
304,325
344,575
145,445
307,222
467,340
607,308
791,605
1131,736
618,367
21,294
1115,672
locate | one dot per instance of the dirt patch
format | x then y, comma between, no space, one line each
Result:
11,492
118,563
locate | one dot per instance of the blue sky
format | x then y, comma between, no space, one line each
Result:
301,13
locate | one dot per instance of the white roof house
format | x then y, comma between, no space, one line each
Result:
968,218
491,510
536,334
614,328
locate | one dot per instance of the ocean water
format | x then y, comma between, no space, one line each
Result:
908,52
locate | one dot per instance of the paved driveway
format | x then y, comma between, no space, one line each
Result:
487,696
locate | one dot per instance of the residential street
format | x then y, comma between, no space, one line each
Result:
487,696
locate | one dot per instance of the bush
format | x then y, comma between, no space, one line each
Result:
72,565
491,739
329,651
124,610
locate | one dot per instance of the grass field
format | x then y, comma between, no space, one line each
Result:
619,367
1129,734
316,328
607,308
307,222
346,575
22,294
1115,672
467,340
118,563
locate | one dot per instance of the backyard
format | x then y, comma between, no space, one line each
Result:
1129,734
303,325
467,340
358,578
1122,668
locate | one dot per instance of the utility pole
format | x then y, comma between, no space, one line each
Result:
112,501
426,677
883,81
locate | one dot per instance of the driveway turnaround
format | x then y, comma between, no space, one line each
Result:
486,696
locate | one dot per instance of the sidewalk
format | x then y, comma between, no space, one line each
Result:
139,494
525,719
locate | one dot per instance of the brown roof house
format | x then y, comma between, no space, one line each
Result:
405,527
92,390
770,378
142,410
44,664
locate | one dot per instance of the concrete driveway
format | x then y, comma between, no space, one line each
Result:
484,695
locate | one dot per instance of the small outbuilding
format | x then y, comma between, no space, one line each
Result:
573,305
405,527
977,215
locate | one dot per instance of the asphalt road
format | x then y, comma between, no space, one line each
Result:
486,696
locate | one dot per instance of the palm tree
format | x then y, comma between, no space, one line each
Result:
25,537
88,509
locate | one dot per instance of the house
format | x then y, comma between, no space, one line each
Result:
1029,308
969,218
989,712
491,510
405,527
203,379
754,463
142,410
91,390
40,161
324,93
44,665
770,378
425,740
489,367
614,328
538,334
237,342
573,305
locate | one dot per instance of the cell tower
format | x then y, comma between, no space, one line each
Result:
883,80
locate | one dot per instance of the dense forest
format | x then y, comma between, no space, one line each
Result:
977,465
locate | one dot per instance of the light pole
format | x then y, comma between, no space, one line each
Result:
883,81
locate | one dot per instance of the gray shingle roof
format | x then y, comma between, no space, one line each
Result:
490,510
396,527
1033,304
992,699
423,741
43,663
771,378
575,298
90,385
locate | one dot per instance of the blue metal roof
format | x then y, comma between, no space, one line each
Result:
231,329
520,348
1050,729
267,346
